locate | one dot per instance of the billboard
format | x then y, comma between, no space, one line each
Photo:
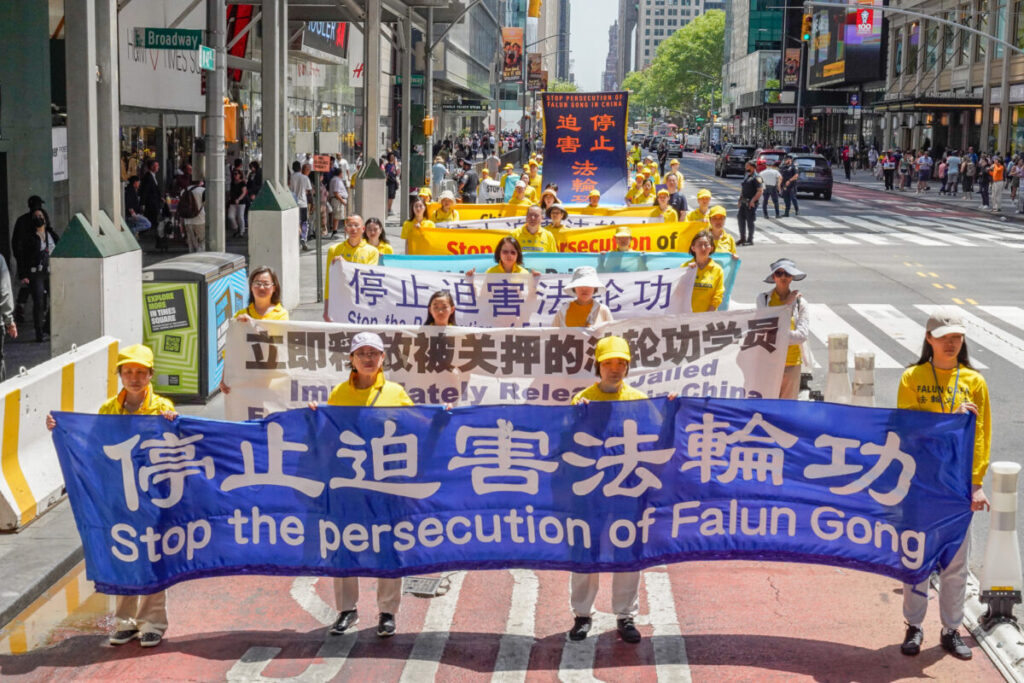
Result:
512,51
846,45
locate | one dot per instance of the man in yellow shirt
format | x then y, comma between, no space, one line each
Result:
519,197
724,242
504,176
623,239
354,249
703,206
535,177
532,236
674,171
593,201
613,357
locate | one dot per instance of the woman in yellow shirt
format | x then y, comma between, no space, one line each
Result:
441,309
709,284
724,242
583,311
137,616
368,387
646,195
508,258
701,212
556,213
943,381
636,188
548,197
418,218
446,213
662,209
783,273
264,302
377,238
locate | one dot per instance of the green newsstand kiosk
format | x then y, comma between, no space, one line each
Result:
187,302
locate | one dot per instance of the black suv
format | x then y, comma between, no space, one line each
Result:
733,159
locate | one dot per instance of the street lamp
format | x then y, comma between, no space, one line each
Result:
523,70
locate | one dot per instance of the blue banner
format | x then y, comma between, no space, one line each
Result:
585,145
608,262
598,487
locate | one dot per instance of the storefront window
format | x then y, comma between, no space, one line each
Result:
947,41
897,61
1017,36
931,53
1000,24
915,39
981,24
1017,130
963,39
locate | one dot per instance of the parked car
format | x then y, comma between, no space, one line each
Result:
675,147
637,138
733,159
764,157
815,174
692,143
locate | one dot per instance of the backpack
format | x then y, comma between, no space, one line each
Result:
188,205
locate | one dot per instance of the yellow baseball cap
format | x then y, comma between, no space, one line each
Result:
704,193
612,347
485,172
673,162
664,191
136,353
425,192
533,162
509,167
716,211
594,193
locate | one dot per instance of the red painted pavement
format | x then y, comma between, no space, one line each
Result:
739,621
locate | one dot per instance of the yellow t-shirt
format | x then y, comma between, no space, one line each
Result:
644,198
525,201
364,253
793,354
696,215
383,394
542,241
669,215
496,268
726,243
442,216
535,182
576,315
708,287
591,210
918,391
409,226
386,248
275,312
632,192
531,193
594,393
153,404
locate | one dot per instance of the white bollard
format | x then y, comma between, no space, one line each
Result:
864,379
837,384
1001,574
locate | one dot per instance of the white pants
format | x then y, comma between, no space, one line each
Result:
236,217
952,592
625,593
195,233
389,594
148,613
997,193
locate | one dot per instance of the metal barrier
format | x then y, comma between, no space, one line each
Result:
30,478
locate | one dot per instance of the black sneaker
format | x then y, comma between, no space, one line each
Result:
580,628
150,639
912,641
122,637
955,645
386,625
346,620
627,630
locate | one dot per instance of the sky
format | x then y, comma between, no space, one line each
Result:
588,40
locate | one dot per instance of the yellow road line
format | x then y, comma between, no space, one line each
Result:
936,285
9,463
949,286
921,274
972,302
957,300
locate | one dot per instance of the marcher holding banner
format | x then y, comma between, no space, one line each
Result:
508,258
264,302
532,236
583,311
548,198
709,285
519,197
354,250
593,204
663,210
440,309
724,242
783,273
943,381
368,387
556,213
377,238
137,616
703,207
446,213
613,358
646,195
418,217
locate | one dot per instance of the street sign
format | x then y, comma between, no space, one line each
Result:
322,163
168,38
416,80
207,58
700,119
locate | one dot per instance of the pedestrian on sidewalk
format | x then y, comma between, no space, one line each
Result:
847,161
984,176
367,386
941,174
33,258
136,616
613,357
953,162
906,168
997,172
924,171
888,163
751,190
970,168
192,212
783,273
943,381
6,313
772,182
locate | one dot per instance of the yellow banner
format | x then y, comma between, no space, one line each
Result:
473,212
646,237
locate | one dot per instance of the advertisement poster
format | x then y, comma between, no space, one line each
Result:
170,328
846,45
533,71
512,48
791,68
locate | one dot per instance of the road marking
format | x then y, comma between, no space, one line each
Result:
823,223
958,301
326,663
430,643
972,302
868,237
982,333
950,286
832,239
793,238
303,592
934,234
825,321
516,643
1011,315
917,239
670,661
921,274
577,663
937,285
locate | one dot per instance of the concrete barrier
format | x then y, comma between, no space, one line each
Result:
1001,574
837,382
30,478
864,379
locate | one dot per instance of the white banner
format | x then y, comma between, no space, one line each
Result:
273,366
59,143
160,79
380,295
573,221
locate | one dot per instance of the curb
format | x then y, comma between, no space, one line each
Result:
1004,644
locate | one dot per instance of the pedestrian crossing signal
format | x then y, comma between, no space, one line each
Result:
805,30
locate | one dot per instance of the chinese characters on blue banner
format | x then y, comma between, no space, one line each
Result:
585,145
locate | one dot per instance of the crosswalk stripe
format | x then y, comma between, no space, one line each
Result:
916,239
765,239
517,642
983,333
792,238
577,663
823,223
825,321
670,661
868,237
426,652
897,326
832,239
1011,315
940,236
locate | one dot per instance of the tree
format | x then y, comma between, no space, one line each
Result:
558,85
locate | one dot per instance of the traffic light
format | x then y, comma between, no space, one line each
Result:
805,28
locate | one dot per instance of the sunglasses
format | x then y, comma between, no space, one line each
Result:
781,273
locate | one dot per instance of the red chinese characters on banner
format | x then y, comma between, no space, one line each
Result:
586,143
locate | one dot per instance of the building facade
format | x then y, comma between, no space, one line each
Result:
657,20
609,76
